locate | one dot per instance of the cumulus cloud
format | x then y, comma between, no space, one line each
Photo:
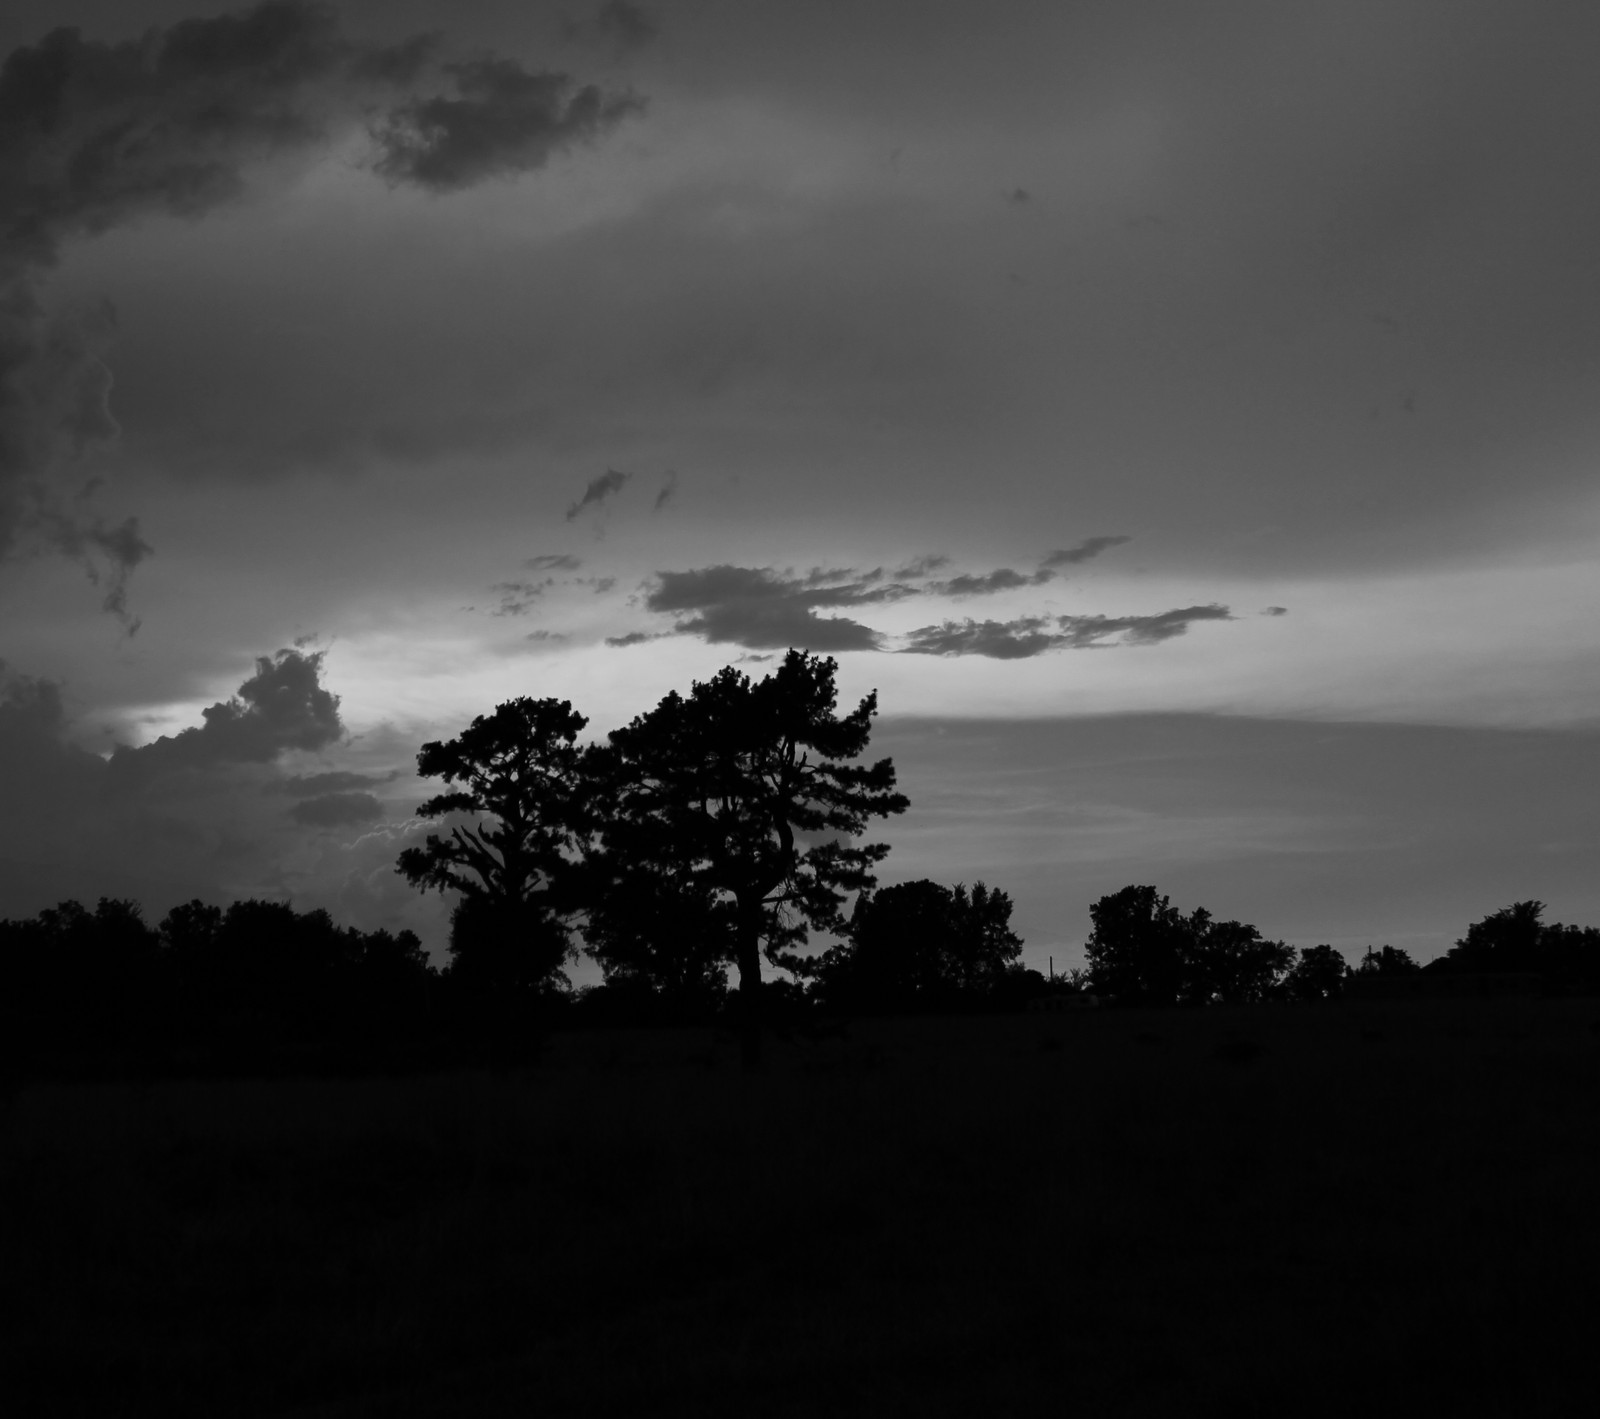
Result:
1034,635
216,811
96,135
607,485
1086,550
282,706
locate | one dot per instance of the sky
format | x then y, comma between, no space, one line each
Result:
1184,417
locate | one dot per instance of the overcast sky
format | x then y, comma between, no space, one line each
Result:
1186,417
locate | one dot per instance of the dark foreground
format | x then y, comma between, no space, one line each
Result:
1280,1211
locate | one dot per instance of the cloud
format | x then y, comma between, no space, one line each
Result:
607,485
337,810
553,562
500,121
987,583
1276,611
761,609
94,136
920,567
1034,635
202,813
338,781
669,489
630,26
1086,550
637,638
517,596
283,706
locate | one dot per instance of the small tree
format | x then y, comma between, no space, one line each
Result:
1136,952
922,945
514,866
745,797
1387,961
1319,974
1231,963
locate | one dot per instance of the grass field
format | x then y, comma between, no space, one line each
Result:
1265,1212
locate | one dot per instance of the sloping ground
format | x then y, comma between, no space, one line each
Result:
1306,1211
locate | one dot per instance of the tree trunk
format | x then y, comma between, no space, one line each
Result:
750,988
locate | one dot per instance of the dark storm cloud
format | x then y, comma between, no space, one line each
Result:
198,814
502,120
761,609
339,781
607,485
96,135
1086,550
337,810
1034,635
282,706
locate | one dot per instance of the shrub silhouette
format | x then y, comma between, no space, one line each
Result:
922,946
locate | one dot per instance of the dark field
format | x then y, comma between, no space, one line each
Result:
1269,1211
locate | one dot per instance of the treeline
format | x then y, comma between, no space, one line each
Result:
1143,951
707,837
259,987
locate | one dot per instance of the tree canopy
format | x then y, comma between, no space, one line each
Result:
1143,951
742,804
921,945
520,773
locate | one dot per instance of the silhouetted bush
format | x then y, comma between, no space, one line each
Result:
1515,939
918,947
1143,951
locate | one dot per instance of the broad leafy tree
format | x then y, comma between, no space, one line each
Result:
1231,963
518,808
921,945
1319,974
1136,952
1143,951
746,798
1387,961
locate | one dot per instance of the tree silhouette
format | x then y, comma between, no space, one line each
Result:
660,932
1230,963
743,794
1516,938
1387,961
1143,951
922,945
1136,950
1319,974
522,768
